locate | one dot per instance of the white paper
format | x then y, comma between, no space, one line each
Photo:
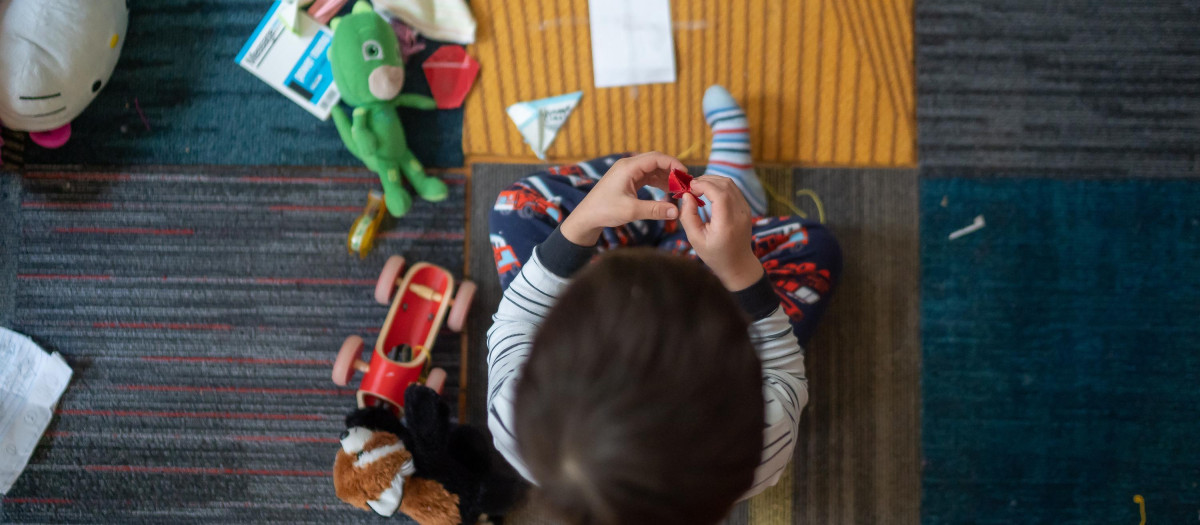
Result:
539,120
631,42
31,382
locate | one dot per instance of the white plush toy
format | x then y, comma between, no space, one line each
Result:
55,56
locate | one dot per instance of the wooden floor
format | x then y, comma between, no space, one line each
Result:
859,461
826,82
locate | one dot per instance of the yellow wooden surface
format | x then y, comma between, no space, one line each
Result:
824,82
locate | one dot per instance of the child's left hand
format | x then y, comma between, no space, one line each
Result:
614,202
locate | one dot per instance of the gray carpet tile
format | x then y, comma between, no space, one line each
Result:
1074,87
859,460
201,309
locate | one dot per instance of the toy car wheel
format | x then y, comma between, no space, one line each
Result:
343,366
462,304
385,287
436,380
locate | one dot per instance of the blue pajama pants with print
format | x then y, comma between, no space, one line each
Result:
802,259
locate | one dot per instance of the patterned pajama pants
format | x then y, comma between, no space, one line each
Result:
801,258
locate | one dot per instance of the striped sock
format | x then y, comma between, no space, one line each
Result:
730,154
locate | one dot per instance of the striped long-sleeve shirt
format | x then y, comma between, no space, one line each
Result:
546,275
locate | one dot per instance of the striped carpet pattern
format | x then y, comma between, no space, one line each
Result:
1068,88
825,82
201,309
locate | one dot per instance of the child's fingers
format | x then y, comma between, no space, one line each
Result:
650,168
654,211
689,218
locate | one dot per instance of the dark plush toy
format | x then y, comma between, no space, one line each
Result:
428,468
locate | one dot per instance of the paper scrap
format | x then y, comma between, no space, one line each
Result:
631,42
539,120
975,226
295,64
31,382
679,182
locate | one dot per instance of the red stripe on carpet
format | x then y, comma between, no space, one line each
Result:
438,236
39,501
65,277
58,175
287,439
165,326
133,231
235,390
296,207
238,360
205,471
197,415
347,282
309,180
69,205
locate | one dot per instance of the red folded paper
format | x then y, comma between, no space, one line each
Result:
679,183
450,72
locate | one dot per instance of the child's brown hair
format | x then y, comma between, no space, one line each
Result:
642,400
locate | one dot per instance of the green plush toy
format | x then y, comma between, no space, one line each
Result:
369,73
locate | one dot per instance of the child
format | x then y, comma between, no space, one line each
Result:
645,388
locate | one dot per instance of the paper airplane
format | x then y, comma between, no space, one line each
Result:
539,120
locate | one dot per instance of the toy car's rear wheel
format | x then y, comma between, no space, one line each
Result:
385,287
462,304
436,380
343,366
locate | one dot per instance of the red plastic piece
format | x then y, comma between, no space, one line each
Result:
679,183
450,72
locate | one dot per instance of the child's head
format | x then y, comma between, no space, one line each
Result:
642,400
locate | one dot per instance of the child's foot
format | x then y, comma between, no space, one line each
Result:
730,153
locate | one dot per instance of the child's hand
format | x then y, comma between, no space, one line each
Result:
724,244
614,202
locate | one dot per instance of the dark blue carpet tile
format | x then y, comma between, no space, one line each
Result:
201,310
1066,87
203,108
10,241
1061,364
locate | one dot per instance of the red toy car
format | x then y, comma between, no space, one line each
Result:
401,353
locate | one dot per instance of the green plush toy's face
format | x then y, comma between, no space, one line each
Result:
365,56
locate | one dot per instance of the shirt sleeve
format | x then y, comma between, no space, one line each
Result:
522,309
785,393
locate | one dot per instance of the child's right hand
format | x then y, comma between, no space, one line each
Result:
725,242
614,201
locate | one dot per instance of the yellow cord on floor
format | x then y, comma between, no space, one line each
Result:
810,193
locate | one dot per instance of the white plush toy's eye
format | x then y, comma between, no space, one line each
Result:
372,50
353,439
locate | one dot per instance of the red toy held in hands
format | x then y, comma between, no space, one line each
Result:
401,353
679,183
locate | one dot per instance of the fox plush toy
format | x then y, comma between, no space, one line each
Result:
427,468
369,73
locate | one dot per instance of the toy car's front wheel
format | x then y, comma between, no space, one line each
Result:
385,287
462,304
343,366
436,380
